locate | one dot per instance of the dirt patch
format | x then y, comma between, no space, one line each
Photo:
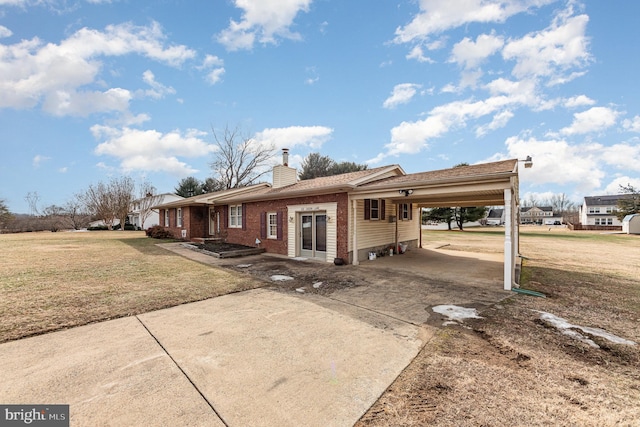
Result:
304,274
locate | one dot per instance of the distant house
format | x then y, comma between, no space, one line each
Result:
540,215
600,212
141,213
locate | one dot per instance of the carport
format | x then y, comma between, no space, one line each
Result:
488,184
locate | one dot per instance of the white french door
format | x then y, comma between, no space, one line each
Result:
313,235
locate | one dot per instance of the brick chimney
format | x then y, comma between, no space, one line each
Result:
283,175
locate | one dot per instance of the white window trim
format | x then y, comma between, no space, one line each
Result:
179,217
237,216
404,212
271,215
377,210
166,217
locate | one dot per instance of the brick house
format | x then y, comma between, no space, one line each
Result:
343,216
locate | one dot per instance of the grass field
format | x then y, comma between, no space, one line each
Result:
50,281
508,368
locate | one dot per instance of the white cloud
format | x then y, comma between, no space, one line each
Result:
436,16
614,186
294,136
632,125
56,75
552,51
555,161
38,160
402,94
623,156
500,120
417,54
214,67
158,90
314,77
578,101
470,54
411,137
5,32
262,21
69,102
215,76
150,150
595,119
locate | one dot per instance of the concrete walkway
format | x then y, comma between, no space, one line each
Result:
253,358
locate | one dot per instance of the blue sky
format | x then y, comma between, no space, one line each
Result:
94,89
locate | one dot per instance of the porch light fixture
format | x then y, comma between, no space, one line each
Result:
290,219
406,192
528,162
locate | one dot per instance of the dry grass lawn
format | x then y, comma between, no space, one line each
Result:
508,368
512,368
50,281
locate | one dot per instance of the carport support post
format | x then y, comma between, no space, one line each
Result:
509,265
355,233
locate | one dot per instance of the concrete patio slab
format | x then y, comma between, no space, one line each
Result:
269,358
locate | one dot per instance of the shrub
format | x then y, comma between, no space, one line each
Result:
158,232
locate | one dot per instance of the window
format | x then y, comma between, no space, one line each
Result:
235,216
406,212
179,217
609,221
166,217
375,209
594,210
609,209
272,225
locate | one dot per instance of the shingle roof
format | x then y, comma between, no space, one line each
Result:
607,200
318,185
456,173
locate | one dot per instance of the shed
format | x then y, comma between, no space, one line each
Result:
631,224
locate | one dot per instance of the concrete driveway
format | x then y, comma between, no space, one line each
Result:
253,358
262,357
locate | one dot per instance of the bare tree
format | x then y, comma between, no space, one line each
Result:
5,215
240,159
53,217
122,192
109,202
561,205
75,216
148,199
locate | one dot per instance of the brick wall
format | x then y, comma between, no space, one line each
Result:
194,221
255,210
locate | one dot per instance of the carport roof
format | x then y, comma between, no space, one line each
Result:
506,168
475,185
